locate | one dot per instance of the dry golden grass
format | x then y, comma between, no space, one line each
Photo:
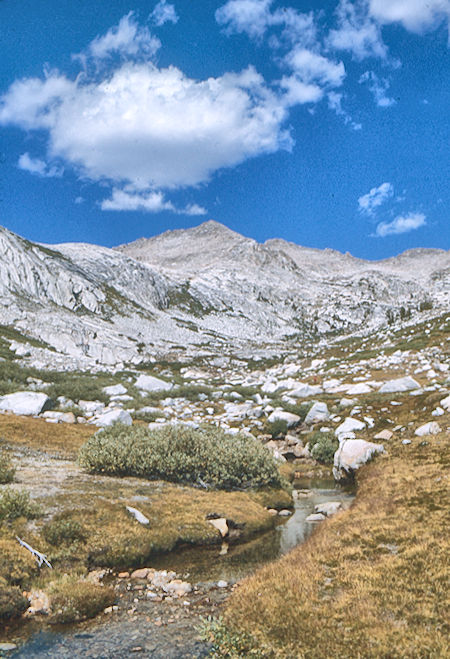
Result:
372,581
64,438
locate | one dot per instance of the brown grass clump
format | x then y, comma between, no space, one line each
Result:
38,434
17,566
372,581
12,602
73,600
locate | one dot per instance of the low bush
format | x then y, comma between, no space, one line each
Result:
15,504
17,565
277,428
73,601
63,531
7,469
322,446
12,602
79,387
181,454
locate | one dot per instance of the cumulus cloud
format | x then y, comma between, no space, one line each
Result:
311,67
375,197
164,12
151,201
249,16
127,38
401,224
357,32
151,127
415,15
378,86
38,167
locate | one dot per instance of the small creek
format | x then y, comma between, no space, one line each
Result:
168,630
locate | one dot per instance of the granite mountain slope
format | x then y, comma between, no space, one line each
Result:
203,289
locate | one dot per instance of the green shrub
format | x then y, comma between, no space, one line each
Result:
12,602
63,531
277,428
181,454
227,643
15,503
7,470
323,446
81,387
73,601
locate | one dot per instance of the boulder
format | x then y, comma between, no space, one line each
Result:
445,403
115,390
306,390
315,517
430,428
110,417
401,384
349,425
280,415
384,435
27,403
150,383
317,413
360,388
220,523
351,455
91,406
329,508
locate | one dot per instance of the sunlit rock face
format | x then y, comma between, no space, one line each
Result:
204,288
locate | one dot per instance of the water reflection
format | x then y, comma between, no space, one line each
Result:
241,560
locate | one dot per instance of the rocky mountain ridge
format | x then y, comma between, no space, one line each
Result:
204,290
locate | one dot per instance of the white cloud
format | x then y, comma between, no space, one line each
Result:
401,225
335,104
151,201
415,15
151,127
378,86
38,167
357,32
297,92
127,38
249,16
164,12
311,67
377,196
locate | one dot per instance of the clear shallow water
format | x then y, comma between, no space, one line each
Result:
118,638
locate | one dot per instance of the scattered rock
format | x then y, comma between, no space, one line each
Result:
280,415
115,390
221,525
401,384
349,425
384,435
430,428
111,417
26,403
329,508
351,455
315,517
142,573
150,383
318,412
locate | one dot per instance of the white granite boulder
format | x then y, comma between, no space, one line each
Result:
317,413
26,403
445,403
306,390
349,425
150,383
280,415
400,384
115,390
351,455
110,417
430,428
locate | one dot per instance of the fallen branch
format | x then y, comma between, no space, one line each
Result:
138,516
41,558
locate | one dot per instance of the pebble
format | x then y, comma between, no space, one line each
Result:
222,584
7,647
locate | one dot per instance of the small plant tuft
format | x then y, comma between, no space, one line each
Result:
63,531
7,469
323,446
15,504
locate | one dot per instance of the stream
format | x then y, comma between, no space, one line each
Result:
168,629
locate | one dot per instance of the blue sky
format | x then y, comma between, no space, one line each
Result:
324,123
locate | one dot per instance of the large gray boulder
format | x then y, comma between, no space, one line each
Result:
400,384
317,413
110,417
351,455
150,383
279,415
28,403
349,425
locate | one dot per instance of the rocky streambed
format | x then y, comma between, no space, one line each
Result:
158,611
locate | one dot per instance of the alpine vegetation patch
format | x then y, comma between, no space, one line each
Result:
181,454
